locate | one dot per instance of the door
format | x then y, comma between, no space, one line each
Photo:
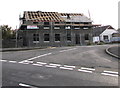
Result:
77,38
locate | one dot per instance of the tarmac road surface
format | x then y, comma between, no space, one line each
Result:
60,66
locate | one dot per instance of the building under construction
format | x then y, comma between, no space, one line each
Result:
39,28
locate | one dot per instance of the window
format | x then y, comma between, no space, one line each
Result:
85,27
57,37
35,38
105,37
86,36
76,27
68,22
56,27
35,22
76,23
67,27
68,37
46,37
57,22
46,23
46,27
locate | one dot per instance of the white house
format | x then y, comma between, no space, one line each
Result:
104,34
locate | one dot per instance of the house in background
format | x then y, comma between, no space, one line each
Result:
105,34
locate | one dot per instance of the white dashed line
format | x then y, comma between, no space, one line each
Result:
41,63
69,66
51,66
54,64
3,60
84,71
84,68
109,74
13,61
66,68
37,64
112,72
26,62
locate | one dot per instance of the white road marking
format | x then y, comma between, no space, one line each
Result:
51,66
41,63
109,74
69,66
3,60
37,64
66,68
40,56
67,50
84,68
25,85
54,64
84,71
25,62
112,72
13,61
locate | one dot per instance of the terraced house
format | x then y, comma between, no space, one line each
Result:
39,28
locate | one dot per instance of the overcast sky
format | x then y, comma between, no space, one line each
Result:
103,12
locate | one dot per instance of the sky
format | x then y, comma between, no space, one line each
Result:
104,12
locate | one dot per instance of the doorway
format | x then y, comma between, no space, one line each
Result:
77,38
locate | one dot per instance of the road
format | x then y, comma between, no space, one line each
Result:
60,66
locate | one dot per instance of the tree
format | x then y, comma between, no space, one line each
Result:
7,32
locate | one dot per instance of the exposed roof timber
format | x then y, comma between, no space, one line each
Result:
52,16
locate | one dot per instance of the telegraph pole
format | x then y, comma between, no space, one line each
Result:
16,37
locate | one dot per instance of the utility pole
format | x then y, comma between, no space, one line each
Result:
16,37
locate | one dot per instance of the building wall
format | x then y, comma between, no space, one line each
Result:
107,32
27,36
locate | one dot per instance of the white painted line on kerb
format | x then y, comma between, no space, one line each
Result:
84,68
40,56
3,60
51,66
69,66
84,71
112,72
54,64
41,63
66,68
13,61
109,74
37,64
25,85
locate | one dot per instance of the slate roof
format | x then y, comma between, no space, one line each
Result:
98,30
40,16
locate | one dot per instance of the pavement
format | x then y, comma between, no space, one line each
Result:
114,51
22,49
60,66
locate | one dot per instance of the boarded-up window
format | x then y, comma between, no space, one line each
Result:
86,36
35,37
68,37
46,37
57,37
